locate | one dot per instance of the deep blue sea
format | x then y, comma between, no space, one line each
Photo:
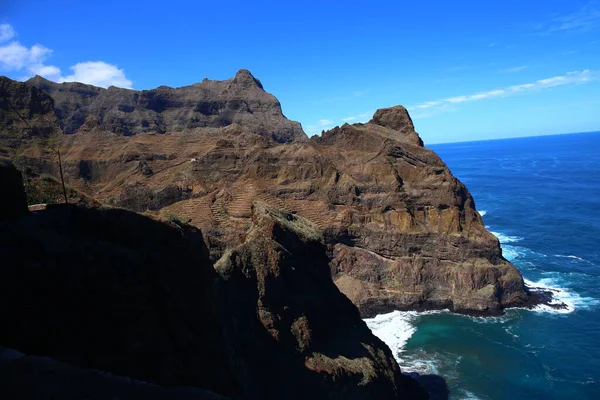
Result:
541,197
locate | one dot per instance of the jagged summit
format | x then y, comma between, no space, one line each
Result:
398,119
245,78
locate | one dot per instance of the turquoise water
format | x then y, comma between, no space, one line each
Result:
541,197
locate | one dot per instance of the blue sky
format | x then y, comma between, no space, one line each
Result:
467,70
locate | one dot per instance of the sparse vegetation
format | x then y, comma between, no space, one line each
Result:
175,219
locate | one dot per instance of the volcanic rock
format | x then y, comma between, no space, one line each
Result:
401,231
215,104
398,119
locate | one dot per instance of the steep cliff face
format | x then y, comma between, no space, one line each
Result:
240,100
288,319
112,290
402,231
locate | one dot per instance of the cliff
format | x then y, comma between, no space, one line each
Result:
121,304
401,231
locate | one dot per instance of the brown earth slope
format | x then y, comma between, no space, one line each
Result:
402,231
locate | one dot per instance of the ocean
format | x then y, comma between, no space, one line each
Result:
541,197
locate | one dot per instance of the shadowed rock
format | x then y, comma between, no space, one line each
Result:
111,290
296,336
13,203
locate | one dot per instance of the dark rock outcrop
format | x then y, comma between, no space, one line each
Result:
296,335
240,100
13,203
40,378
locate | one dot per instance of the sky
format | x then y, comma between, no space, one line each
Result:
466,70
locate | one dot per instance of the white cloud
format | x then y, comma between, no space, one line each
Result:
98,73
15,57
584,19
6,32
319,126
570,78
348,119
48,71
513,69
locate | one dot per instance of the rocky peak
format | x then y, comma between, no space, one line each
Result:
398,119
245,78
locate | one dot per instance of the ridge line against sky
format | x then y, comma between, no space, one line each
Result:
465,71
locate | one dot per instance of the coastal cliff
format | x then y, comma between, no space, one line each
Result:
401,232
102,302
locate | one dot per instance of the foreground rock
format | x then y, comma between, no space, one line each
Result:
402,231
36,378
114,291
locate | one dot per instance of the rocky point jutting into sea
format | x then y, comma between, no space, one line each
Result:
254,306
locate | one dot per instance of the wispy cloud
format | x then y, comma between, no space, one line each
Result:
29,61
513,69
326,124
570,78
584,19
359,117
319,126
6,32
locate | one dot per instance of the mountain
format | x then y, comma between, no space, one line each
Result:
240,100
401,231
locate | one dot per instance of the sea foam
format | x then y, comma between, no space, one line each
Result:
506,238
394,329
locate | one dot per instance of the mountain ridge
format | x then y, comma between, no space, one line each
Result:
402,232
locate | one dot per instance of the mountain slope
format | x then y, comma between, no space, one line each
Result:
402,231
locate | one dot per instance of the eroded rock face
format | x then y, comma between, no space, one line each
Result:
215,104
296,336
402,231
